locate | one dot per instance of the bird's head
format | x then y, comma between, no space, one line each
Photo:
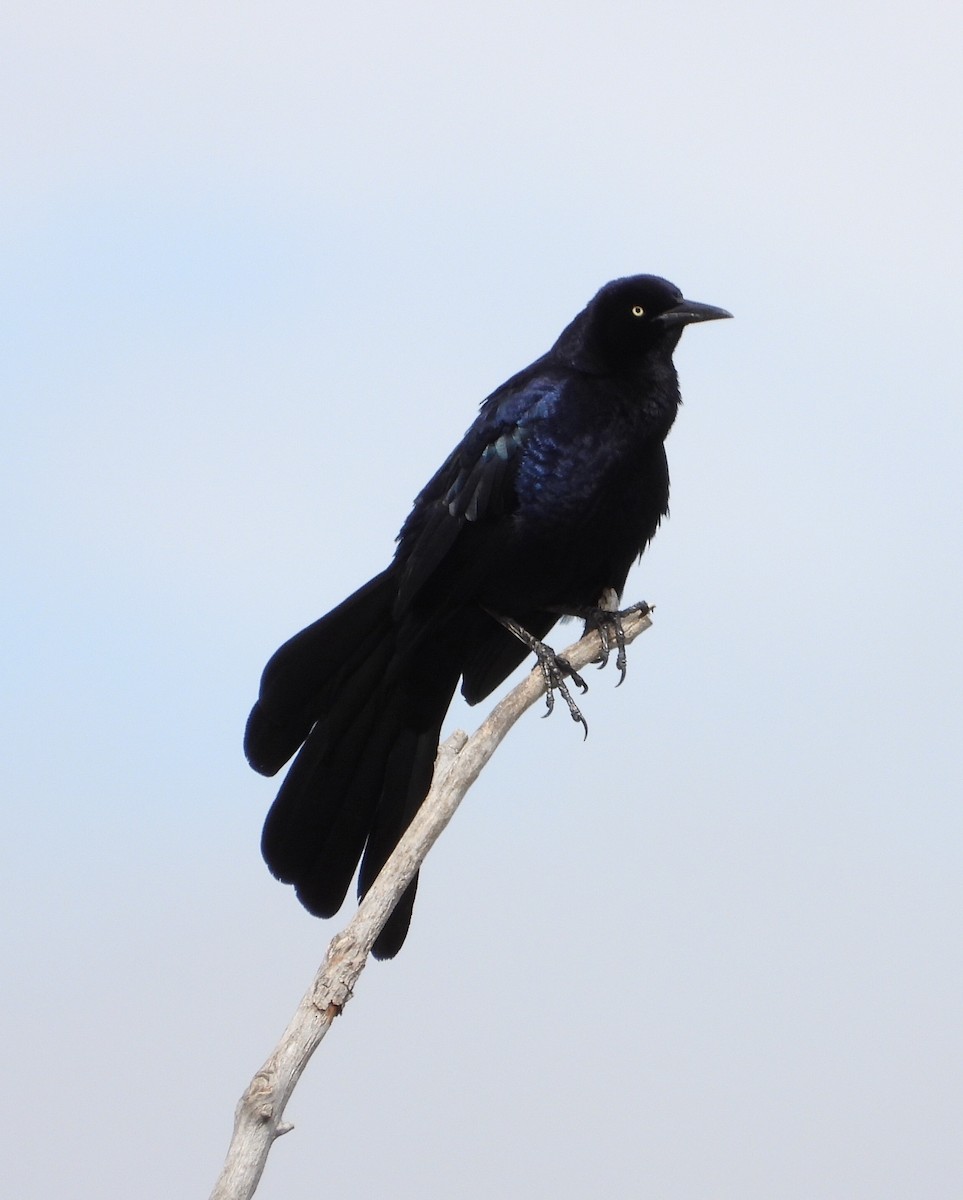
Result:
629,318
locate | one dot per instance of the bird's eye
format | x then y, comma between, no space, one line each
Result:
638,310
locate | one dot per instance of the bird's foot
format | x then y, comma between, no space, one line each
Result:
554,668
606,619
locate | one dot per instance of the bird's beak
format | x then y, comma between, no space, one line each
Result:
687,312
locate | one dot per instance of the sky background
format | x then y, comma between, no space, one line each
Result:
260,265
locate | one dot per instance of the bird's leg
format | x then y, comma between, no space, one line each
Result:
554,669
606,618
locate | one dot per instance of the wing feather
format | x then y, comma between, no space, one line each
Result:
476,484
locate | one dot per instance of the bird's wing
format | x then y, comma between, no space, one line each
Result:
476,483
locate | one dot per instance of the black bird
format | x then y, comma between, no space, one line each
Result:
555,489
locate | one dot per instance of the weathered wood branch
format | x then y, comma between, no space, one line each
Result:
258,1119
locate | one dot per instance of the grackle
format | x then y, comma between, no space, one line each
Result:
556,488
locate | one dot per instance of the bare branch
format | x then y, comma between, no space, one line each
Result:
258,1117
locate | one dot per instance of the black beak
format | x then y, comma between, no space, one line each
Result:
687,312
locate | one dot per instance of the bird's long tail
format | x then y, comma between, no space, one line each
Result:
365,722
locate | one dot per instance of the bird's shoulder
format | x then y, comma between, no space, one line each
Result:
475,480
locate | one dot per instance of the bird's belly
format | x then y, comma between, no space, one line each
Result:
569,564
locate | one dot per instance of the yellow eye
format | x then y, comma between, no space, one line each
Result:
638,310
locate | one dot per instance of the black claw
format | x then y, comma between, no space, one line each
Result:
572,674
603,658
608,624
620,659
554,670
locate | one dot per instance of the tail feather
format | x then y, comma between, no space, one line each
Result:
316,828
348,786
408,776
369,719
303,677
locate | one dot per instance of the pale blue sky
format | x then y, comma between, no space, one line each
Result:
260,265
